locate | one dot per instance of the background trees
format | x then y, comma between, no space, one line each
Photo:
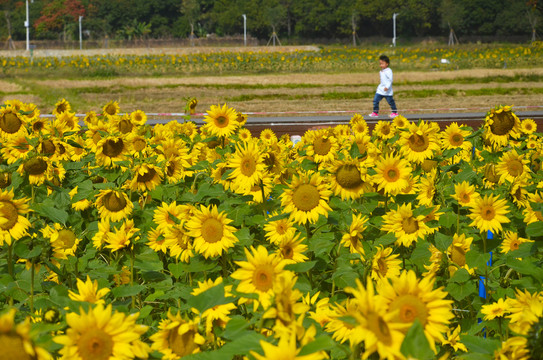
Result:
291,19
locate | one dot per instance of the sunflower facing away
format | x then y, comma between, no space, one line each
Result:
221,121
258,274
14,224
101,334
306,198
348,179
211,232
500,125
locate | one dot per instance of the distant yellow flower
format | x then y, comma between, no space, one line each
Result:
62,106
248,166
111,108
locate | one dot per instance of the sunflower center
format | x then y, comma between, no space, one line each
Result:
114,202
538,215
61,108
48,147
488,212
111,109
170,168
147,176
263,277
322,146
410,225
38,126
490,174
113,147
503,123
5,180
458,255
410,308
66,238
10,123
139,144
306,197
348,176
515,244
287,252
221,121
515,167
212,230
378,326
183,344
248,165
382,266
13,347
125,126
95,344
418,143
456,139
281,229
35,166
391,174
385,130
465,198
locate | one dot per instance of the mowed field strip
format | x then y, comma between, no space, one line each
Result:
414,90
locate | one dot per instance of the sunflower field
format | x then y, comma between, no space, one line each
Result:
327,59
119,240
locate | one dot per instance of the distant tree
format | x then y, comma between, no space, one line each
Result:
533,14
59,15
191,11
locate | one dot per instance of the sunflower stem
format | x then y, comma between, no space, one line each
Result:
458,219
32,286
500,327
132,275
10,260
356,352
308,230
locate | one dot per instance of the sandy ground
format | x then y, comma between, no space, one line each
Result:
167,94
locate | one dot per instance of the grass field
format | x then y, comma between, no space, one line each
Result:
337,85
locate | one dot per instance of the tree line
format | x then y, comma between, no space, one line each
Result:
289,19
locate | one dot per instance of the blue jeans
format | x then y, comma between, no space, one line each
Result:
379,97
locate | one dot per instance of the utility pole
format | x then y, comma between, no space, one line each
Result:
244,30
394,28
80,34
27,26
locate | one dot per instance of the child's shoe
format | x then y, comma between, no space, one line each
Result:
373,114
393,115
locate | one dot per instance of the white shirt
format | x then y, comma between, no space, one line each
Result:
386,82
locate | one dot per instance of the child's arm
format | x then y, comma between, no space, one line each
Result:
387,79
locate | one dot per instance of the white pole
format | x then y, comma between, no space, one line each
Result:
80,34
27,25
244,30
394,28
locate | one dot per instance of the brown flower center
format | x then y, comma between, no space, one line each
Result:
410,225
418,143
263,277
10,213
322,145
147,176
114,202
113,147
515,167
212,230
35,166
503,123
348,176
306,197
95,344
125,126
10,123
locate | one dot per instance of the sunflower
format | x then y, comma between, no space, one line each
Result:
167,215
405,225
400,122
101,236
384,264
111,150
514,348
349,179
156,240
15,148
512,166
278,230
375,325
245,134
64,240
384,130
258,274
528,126
138,117
336,318
68,121
494,310
5,179
102,334
306,198
260,192
11,123
248,167
211,232
111,109
500,125
123,124
426,189
191,105
146,178
217,316
175,169
321,146
410,299
454,137
465,194
179,243
16,339
62,106
531,215
392,174
291,249
177,337
221,121
525,309
90,118
453,339
419,142
359,125
12,212
512,241
456,252
123,237
113,205
286,349
489,213
353,238
88,291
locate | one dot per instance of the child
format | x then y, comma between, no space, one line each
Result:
384,90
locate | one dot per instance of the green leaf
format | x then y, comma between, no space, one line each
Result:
461,291
321,343
535,229
415,344
386,239
475,259
460,276
301,267
48,210
479,344
236,326
21,250
447,220
443,241
127,290
525,267
211,297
